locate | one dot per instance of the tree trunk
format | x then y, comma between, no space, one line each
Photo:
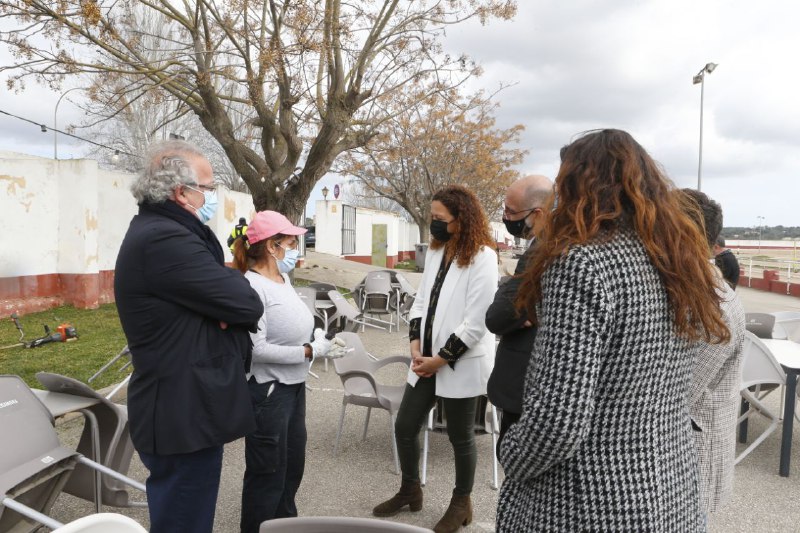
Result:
424,228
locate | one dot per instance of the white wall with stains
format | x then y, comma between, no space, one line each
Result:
70,216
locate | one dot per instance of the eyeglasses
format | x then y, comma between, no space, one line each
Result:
507,211
201,187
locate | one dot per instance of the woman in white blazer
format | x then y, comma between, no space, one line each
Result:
452,352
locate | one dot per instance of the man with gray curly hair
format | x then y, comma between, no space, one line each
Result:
186,317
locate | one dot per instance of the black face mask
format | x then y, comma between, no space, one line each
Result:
517,228
439,230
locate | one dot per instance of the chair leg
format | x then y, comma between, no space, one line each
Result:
366,423
392,418
495,431
428,429
757,406
339,431
744,407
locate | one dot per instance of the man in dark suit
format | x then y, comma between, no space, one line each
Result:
726,262
523,217
186,317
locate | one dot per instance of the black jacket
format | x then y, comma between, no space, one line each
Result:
516,342
188,389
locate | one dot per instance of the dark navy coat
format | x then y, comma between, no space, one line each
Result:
188,391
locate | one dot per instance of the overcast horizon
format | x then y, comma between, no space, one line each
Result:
588,64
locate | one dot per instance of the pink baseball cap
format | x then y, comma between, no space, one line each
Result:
267,224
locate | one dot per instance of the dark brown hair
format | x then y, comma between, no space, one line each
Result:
608,182
706,213
473,226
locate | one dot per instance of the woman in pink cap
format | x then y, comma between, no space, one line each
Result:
282,351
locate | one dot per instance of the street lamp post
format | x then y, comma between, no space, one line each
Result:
55,121
700,78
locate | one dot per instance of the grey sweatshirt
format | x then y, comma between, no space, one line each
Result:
286,324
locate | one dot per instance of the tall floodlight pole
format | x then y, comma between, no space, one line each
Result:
700,78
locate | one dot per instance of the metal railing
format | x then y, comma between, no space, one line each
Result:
788,269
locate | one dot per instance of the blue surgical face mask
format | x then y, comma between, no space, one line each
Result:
209,208
289,261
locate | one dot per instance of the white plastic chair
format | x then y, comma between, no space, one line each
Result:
759,368
357,371
34,467
112,438
787,325
309,297
102,523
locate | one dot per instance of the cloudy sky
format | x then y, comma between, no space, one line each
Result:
584,64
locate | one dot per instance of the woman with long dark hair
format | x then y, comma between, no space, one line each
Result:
620,289
452,352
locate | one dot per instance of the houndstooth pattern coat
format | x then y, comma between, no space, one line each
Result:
713,403
604,442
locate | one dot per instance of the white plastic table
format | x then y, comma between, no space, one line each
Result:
787,353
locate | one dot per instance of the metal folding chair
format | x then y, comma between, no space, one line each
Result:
108,442
379,297
34,467
125,352
352,317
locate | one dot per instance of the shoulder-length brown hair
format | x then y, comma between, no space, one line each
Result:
608,182
473,226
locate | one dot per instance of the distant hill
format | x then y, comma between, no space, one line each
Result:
768,233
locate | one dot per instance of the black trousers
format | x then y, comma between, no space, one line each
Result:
275,453
460,413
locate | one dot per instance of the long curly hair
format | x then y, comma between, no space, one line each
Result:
607,182
473,225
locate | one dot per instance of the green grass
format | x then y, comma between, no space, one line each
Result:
100,337
406,265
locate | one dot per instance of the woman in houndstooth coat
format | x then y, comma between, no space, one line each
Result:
620,289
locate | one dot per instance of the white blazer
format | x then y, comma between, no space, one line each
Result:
465,296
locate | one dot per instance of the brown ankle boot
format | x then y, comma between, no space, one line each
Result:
410,494
458,514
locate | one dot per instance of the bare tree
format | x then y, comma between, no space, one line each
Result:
441,140
357,194
310,76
